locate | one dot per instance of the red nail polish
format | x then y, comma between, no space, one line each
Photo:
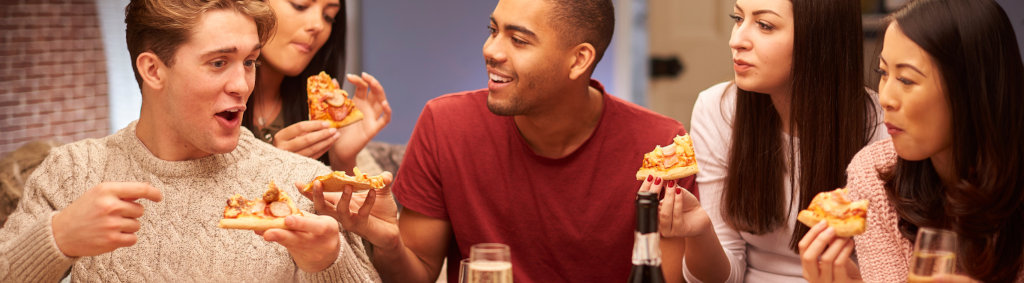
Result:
650,178
670,183
679,191
657,181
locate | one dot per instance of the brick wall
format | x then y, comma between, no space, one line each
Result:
53,82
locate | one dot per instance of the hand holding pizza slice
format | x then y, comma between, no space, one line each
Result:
266,212
845,217
328,102
670,162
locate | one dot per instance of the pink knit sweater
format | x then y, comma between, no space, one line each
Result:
883,254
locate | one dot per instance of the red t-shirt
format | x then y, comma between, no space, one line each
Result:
566,220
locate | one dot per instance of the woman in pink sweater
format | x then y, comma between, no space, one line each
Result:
952,88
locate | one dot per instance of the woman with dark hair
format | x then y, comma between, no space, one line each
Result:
310,38
952,90
770,140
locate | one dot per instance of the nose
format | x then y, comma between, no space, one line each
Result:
493,51
240,81
315,22
886,96
739,40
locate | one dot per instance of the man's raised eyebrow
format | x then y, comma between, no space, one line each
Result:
519,29
229,50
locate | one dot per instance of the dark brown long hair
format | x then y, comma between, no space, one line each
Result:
832,117
330,58
974,47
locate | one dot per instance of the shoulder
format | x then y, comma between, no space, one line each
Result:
877,156
458,101
83,154
717,94
864,174
639,117
715,105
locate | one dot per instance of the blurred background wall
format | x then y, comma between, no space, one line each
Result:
65,73
53,80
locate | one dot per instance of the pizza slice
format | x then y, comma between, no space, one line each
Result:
328,102
845,217
263,213
670,162
336,181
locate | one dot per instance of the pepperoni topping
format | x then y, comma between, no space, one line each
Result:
280,209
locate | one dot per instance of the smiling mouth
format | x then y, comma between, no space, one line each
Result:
498,79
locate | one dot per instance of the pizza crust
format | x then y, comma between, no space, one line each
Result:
251,223
672,174
336,181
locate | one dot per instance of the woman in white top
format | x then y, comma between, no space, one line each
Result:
766,143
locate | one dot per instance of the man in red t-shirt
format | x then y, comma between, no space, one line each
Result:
543,160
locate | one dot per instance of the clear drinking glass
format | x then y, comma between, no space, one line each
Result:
934,253
464,270
489,263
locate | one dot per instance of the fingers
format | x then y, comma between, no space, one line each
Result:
844,265
809,254
827,264
131,210
300,128
132,191
665,215
360,84
129,225
343,207
805,242
364,210
317,194
316,143
375,87
646,185
673,192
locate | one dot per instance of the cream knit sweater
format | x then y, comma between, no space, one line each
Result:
883,254
179,239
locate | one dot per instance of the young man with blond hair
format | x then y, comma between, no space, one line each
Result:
143,204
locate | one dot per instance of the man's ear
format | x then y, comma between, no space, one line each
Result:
152,70
583,57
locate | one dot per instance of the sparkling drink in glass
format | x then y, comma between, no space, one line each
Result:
934,253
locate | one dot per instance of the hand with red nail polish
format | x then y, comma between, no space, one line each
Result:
680,213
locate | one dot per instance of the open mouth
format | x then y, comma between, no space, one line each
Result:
499,79
230,115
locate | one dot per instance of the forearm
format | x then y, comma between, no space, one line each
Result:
28,252
400,264
711,264
672,250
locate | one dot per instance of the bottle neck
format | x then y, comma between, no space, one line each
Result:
646,246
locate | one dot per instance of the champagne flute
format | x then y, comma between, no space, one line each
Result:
490,263
934,254
464,270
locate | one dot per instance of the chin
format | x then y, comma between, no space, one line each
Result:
907,152
224,144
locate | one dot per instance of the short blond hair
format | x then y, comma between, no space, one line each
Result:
161,26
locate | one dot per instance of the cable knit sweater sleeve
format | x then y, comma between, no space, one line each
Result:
882,252
28,251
